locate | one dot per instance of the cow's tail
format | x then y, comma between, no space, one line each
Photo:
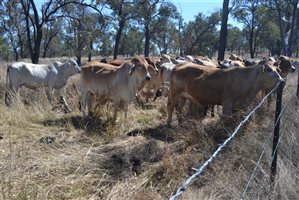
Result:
8,88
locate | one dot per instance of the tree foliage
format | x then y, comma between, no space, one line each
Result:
133,27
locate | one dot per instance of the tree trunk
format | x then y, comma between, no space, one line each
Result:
282,39
121,26
90,51
147,40
292,28
180,37
15,50
223,31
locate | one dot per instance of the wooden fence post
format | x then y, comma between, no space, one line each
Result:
298,86
276,130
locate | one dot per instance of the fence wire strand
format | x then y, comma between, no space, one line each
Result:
199,170
265,147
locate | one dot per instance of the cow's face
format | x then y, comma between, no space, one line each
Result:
73,67
164,59
269,74
286,66
152,65
140,68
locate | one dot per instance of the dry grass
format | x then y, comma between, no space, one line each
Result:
46,154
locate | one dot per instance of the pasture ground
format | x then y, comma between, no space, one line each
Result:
47,154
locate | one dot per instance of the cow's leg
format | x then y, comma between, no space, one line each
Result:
84,102
179,107
212,110
227,109
116,108
126,106
60,93
10,94
172,101
206,108
49,93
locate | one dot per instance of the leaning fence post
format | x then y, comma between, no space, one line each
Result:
276,130
298,86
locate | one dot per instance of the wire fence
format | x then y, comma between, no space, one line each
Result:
200,170
266,146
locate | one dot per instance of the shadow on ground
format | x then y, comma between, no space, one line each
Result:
161,132
76,121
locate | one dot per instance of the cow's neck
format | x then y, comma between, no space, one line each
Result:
253,84
62,75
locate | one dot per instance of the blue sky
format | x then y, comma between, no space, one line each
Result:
190,8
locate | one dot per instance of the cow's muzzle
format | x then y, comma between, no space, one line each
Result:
148,78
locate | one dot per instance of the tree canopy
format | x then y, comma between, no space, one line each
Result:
137,27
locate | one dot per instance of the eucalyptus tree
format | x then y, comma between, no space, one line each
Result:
167,38
36,19
200,36
236,40
132,42
105,45
288,23
122,11
223,30
153,14
11,22
84,27
249,13
51,30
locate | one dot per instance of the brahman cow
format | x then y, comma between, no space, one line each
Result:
166,70
118,84
51,76
235,57
200,61
285,65
234,88
154,83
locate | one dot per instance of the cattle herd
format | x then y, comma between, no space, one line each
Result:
233,83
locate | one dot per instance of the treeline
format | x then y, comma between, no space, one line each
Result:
144,27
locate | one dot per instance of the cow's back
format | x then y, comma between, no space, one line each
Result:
28,74
104,80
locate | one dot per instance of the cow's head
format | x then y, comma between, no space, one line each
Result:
269,74
224,64
165,59
152,65
285,65
73,67
140,66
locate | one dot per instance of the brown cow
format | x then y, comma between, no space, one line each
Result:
285,65
200,61
155,82
111,83
118,62
233,88
235,57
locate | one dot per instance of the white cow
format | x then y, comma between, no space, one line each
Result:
51,76
165,71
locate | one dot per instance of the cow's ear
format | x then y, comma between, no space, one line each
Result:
277,63
134,61
132,69
68,64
